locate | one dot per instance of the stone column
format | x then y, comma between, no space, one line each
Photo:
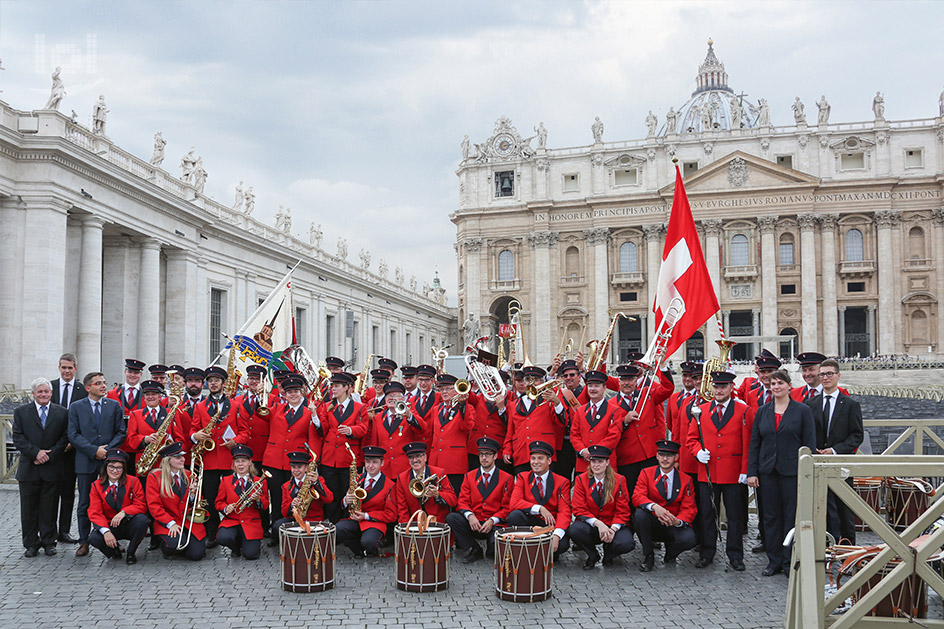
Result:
653,266
185,331
201,314
89,331
598,238
474,282
644,334
938,239
829,271
121,264
149,302
13,237
842,331
809,336
597,173
768,281
541,332
755,325
886,220
712,227
870,328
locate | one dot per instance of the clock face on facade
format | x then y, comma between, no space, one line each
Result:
504,144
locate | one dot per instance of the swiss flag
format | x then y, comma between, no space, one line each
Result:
684,290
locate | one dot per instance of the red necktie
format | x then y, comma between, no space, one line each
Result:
485,478
370,484
540,483
130,397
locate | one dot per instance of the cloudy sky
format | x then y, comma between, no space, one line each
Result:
351,113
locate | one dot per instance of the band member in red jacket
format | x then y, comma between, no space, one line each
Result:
117,509
750,383
598,422
241,528
665,507
364,529
642,428
343,422
602,509
391,431
483,503
491,420
143,423
532,420
451,422
721,445
427,398
129,393
168,495
254,411
284,512
437,500
542,498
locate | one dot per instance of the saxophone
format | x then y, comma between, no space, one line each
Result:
229,389
359,492
149,456
306,493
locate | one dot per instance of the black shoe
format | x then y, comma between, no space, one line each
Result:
737,564
648,563
703,562
154,545
474,554
50,550
273,543
131,559
360,554
237,552
669,560
657,546
591,562
212,544
65,538
760,548
768,571
31,552
608,561
490,552
115,553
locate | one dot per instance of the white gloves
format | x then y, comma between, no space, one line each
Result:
742,479
703,456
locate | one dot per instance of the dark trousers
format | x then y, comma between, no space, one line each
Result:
779,502
631,472
67,492
265,514
337,479
274,484
566,460
709,506
465,536
523,518
840,521
456,481
81,510
38,512
234,538
368,541
211,487
586,537
132,528
677,539
696,524
195,550
521,467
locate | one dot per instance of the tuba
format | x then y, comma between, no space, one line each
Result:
150,454
719,363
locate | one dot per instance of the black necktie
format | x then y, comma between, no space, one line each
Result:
826,411
97,415
64,398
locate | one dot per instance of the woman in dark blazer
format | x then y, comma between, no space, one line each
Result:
781,428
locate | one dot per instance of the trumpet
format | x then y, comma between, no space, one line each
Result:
535,391
418,486
462,387
401,409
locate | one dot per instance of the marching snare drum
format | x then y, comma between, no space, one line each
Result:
422,557
307,560
906,500
524,565
870,490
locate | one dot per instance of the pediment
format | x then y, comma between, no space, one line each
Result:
742,171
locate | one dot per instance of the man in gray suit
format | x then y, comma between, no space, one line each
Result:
96,425
39,432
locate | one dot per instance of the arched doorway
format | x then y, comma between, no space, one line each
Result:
786,351
695,347
499,319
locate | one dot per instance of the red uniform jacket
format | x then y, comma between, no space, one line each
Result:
130,499
488,501
754,396
184,420
333,452
617,510
258,425
449,445
638,440
488,422
166,509
251,517
407,504
315,508
219,458
602,429
392,439
140,426
289,432
539,423
681,503
804,392
425,411
727,437
747,384
556,497
120,394
679,417
379,505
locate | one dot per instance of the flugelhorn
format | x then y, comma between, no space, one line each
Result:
534,391
418,486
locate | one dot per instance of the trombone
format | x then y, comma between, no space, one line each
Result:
518,349
196,511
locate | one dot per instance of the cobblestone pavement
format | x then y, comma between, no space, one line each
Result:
221,591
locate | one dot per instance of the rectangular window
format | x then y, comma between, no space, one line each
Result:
409,348
785,160
505,184
852,161
626,177
217,303
856,287
300,316
786,254
629,296
330,338
348,324
393,343
355,337
914,158
689,168
375,340
571,183
788,289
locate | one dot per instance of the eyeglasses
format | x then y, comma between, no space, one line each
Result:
116,466
828,374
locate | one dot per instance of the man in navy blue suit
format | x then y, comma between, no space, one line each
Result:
96,425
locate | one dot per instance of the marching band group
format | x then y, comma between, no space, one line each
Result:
605,460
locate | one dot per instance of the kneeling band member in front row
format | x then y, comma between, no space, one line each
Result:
665,507
241,527
542,498
117,509
292,498
483,502
363,531
602,510
168,498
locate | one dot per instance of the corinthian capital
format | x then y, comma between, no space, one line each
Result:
807,221
767,224
712,226
542,239
829,220
938,215
653,231
472,244
888,218
597,235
